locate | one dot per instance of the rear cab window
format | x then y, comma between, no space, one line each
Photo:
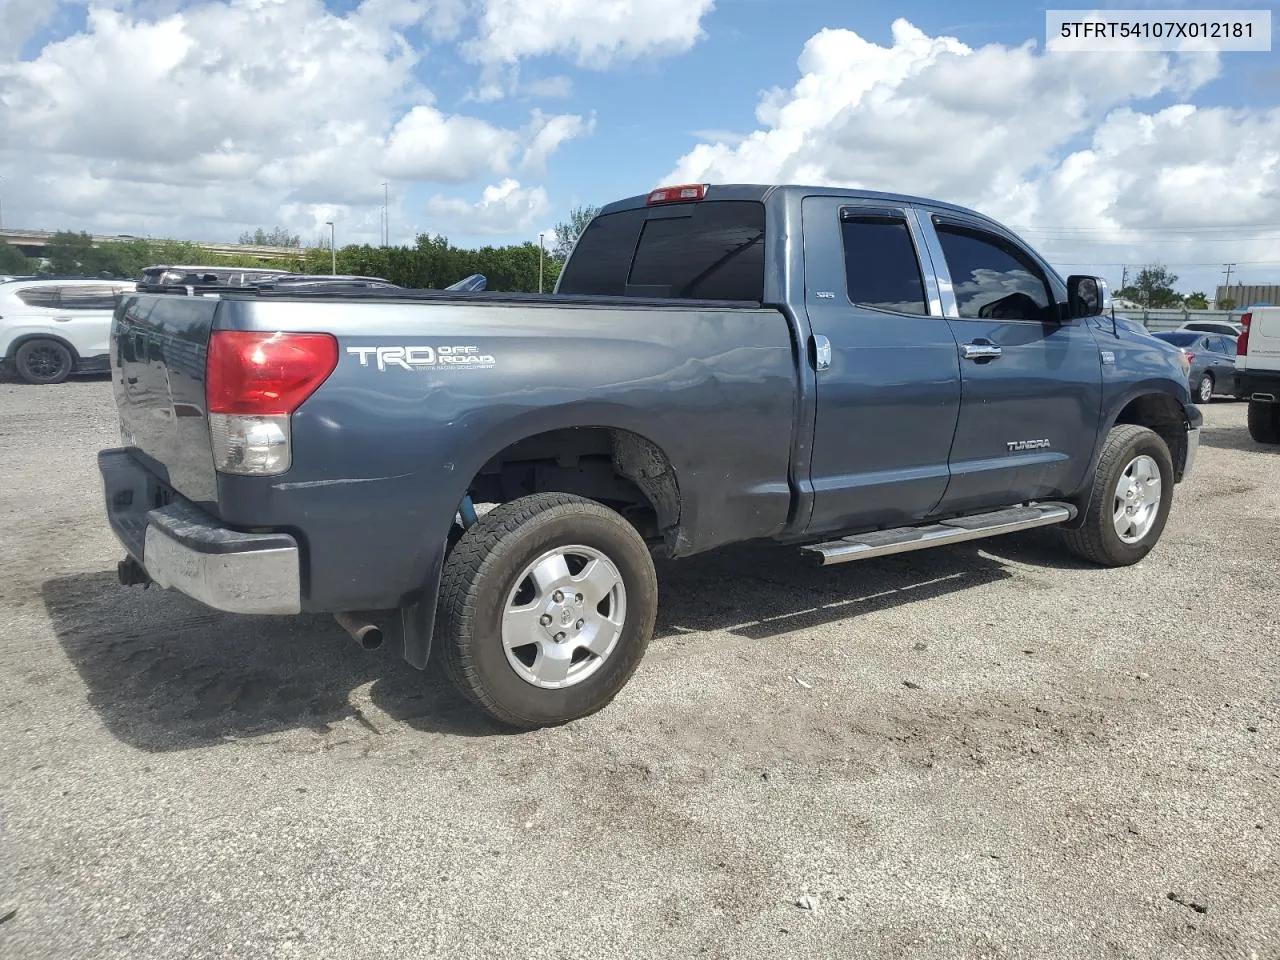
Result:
704,250
882,267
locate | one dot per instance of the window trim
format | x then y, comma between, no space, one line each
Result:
1016,250
847,213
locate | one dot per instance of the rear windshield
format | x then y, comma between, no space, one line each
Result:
711,250
1179,339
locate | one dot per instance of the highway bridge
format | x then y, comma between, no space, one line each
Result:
33,243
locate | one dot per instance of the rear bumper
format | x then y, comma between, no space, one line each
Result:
1264,382
183,548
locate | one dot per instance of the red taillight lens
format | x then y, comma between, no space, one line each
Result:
688,191
266,374
1242,341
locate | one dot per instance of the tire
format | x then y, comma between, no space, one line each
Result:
1264,421
1204,390
1097,539
43,361
487,605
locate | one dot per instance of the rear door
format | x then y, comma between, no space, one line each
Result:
84,316
1031,380
888,377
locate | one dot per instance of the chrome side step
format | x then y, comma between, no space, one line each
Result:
879,543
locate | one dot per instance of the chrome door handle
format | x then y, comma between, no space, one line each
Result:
980,351
821,352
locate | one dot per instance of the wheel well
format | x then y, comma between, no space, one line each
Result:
618,468
1163,414
27,337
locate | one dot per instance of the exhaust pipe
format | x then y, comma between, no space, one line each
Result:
368,635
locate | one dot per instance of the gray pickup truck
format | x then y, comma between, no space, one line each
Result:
854,373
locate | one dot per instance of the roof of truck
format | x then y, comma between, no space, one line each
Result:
762,191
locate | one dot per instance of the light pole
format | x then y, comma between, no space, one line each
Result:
386,217
540,248
333,250
2,179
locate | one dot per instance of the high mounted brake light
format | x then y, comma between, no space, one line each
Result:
1242,341
254,382
687,191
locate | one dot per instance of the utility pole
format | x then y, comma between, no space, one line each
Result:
1124,276
1227,268
333,250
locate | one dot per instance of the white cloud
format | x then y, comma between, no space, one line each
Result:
594,33
546,133
1038,140
557,86
223,114
21,19
504,208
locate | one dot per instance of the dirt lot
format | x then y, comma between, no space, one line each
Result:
977,751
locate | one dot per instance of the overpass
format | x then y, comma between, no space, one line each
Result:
33,243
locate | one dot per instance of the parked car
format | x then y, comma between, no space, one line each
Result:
307,281
1258,370
51,329
1224,327
473,284
856,374
1213,362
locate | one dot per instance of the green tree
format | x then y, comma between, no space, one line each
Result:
276,237
13,260
1196,301
1226,303
568,231
1153,288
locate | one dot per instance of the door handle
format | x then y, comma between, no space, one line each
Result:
61,319
980,351
821,352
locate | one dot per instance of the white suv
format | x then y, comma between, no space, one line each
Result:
50,329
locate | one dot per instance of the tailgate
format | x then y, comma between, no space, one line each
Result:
158,352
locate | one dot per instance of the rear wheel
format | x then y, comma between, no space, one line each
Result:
1204,392
1131,497
43,361
1264,421
547,605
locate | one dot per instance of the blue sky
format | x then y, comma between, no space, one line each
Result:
491,118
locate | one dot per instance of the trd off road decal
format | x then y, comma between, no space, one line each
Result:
423,358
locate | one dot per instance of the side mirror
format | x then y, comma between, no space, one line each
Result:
1087,296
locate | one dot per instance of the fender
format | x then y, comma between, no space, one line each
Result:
1192,419
418,616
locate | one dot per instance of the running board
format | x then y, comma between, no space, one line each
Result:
879,543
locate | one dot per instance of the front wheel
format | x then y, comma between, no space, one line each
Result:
1130,501
1204,392
547,606
1264,421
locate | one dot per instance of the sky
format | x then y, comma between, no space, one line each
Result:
490,119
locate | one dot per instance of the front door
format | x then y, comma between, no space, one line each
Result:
888,377
1031,380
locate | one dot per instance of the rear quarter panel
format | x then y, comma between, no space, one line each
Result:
382,458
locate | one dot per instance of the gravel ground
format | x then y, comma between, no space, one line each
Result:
984,750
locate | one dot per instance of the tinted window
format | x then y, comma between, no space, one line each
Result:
89,297
992,279
711,250
1228,345
39,296
880,265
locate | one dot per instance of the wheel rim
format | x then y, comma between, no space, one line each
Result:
1137,499
1206,389
564,617
43,362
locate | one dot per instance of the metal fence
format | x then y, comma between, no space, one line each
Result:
1172,319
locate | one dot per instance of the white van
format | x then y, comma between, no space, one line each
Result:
50,329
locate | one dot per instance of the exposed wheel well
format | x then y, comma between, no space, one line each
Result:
618,468
1163,414
28,337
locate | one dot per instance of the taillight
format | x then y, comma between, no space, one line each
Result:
254,382
1242,341
688,191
